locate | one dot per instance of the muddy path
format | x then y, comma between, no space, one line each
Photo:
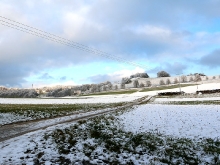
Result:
17,129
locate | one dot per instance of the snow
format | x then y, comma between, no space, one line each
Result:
6,118
48,122
188,89
14,149
192,121
180,121
104,98
161,100
73,100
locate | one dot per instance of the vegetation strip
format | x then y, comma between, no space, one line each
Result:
112,93
212,102
27,112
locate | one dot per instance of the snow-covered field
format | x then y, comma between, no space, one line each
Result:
13,151
74,100
177,120
189,89
164,100
104,98
193,122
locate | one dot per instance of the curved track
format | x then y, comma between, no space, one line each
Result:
17,129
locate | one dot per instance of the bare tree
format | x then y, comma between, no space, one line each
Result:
197,78
148,84
191,79
175,81
206,78
213,77
116,87
122,86
141,85
162,82
136,84
104,88
93,88
110,86
183,79
168,81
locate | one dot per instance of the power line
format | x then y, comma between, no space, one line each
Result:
60,40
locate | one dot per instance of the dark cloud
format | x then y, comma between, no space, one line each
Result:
168,13
132,30
45,76
172,68
211,60
100,78
12,75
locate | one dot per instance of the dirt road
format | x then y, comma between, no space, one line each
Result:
13,130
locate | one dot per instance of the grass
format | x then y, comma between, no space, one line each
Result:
217,102
112,92
165,87
42,111
115,144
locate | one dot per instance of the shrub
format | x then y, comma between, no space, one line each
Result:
141,75
125,80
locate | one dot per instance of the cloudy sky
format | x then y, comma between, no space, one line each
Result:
176,36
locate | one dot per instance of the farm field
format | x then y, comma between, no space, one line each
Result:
12,113
73,100
140,135
105,83
159,132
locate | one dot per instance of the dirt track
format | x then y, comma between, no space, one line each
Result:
17,129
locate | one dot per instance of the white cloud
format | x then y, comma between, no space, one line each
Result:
116,76
154,31
40,84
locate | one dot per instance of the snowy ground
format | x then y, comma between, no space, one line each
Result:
177,120
105,98
45,123
74,100
164,100
111,143
189,89
13,151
